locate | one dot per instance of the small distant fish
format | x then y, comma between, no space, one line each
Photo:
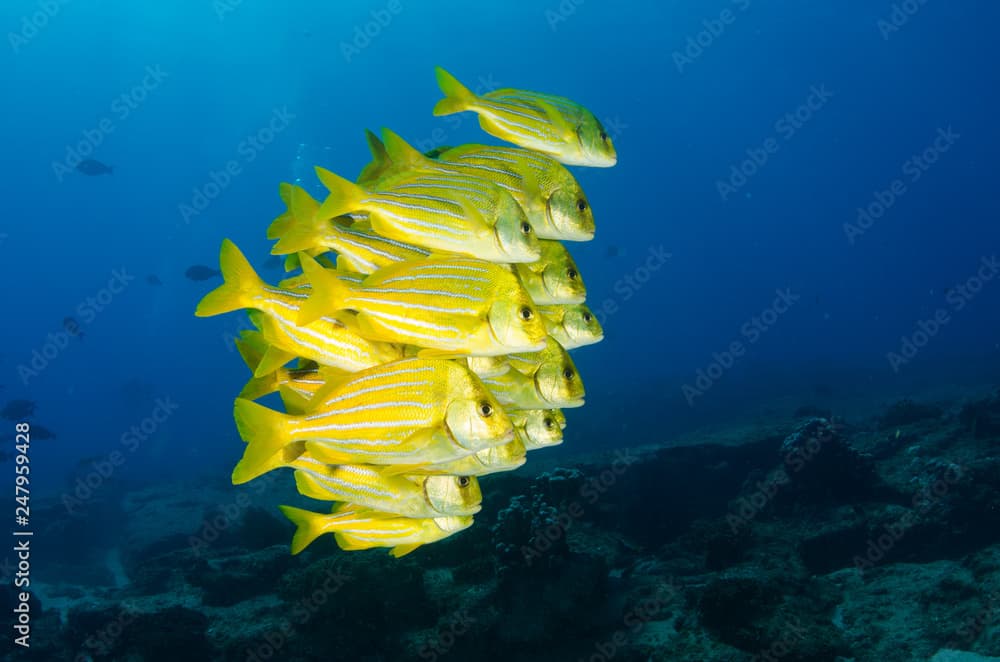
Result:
201,272
16,410
550,124
41,432
153,279
73,327
92,168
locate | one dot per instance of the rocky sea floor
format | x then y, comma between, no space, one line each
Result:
809,539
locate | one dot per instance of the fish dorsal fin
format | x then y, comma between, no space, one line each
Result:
403,155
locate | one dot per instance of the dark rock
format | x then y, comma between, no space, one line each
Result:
982,417
905,412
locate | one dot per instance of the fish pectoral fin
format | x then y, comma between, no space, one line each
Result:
273,359
403,550
349,543
556,118
402,469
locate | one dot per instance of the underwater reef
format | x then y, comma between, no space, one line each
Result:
814,539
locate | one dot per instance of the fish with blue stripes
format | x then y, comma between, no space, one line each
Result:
355,527
450,307
411,412
550,124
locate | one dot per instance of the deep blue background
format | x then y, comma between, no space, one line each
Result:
678,131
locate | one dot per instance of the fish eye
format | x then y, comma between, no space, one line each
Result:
485,409
571,273
581,204
526,313
587,317
604,136
463,481
526,228
548,423
568,373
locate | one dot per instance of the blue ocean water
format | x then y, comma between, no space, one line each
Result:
804,207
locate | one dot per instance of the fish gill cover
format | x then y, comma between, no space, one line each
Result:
430,325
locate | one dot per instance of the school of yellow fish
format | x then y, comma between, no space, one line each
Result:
429,327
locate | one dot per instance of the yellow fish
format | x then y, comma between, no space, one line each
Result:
355,527
554,383
505,457
573,325
358,247
550,124
554,278
448,306
487,366
539,428
325,339
553,201
411,411
371,487
440,212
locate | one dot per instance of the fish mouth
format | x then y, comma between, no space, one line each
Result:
567,234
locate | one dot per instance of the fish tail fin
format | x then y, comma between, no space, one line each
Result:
304,231
251,346
240,284
266,434
402,154
308,526
258,387
328,292
457,97
345,196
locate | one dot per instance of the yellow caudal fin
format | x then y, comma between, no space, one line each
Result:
272,359
404,155
295,402
306,229
258,387
308,526
345,197
266,434
240,284
457,97
328,292
251,346
280,224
